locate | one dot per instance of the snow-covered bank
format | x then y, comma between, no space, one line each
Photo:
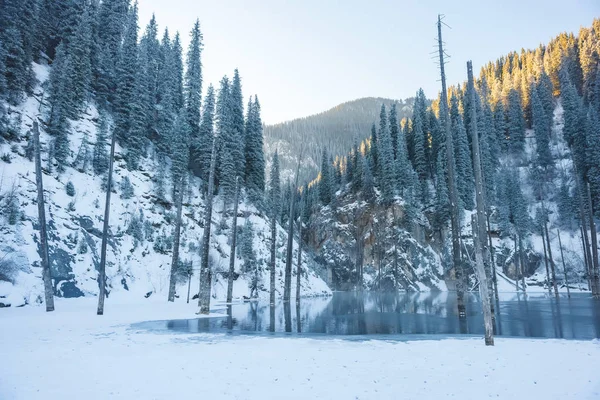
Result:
73,354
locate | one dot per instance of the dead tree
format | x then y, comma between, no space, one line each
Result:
594,243
287,288
452,191
562,257
177,237
102,269
479,189
205,270
546,260
299,267
233,241
552,268
586,240
46,274
483,286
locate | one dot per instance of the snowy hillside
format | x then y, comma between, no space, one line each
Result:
139,251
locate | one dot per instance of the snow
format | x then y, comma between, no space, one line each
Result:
133,268
74,354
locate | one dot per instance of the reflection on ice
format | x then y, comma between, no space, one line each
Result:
370,313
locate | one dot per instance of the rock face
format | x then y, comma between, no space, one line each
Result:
393,255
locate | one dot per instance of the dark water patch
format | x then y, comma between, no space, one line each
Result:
399,315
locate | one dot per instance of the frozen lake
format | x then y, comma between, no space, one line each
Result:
398,315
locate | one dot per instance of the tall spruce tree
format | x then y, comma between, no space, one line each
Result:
254,153
325,184
226,166
464,166
129,110
541,127
202,141
516,122
236,107
394,128
387,179
374,151
193,95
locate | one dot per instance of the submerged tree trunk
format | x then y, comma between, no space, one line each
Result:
594,243
176,239
546,261
273,258
522,263
452,191
46,275
233,242
483,287
479,189
189,284
102,269
562,257
205,269
586,241
299,268
493,263
552,268
287,289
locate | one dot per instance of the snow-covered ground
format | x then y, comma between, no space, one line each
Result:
74,354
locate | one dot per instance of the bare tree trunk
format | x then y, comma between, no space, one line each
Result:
517,263
233,242
552,269
272,263
594,243
546,261
287,289
102,270
189,286
522,257
483,286
588,270
176,239
452,191
299,268
479,189
205,269
495,276
46,275
586,241
562,257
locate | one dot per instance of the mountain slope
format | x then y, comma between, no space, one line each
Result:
336,129
139,251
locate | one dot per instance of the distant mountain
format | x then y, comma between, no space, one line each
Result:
335,129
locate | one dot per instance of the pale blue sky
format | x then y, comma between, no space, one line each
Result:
303,57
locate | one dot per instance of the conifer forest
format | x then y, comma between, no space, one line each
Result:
164,234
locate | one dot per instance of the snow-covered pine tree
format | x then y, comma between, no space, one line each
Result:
464,166
193,96
129,108
374,149
236,110
394,128
112,21
516,122
201,142
387,179
254,153
541,128
325,184
229,144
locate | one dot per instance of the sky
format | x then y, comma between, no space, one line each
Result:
305,57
